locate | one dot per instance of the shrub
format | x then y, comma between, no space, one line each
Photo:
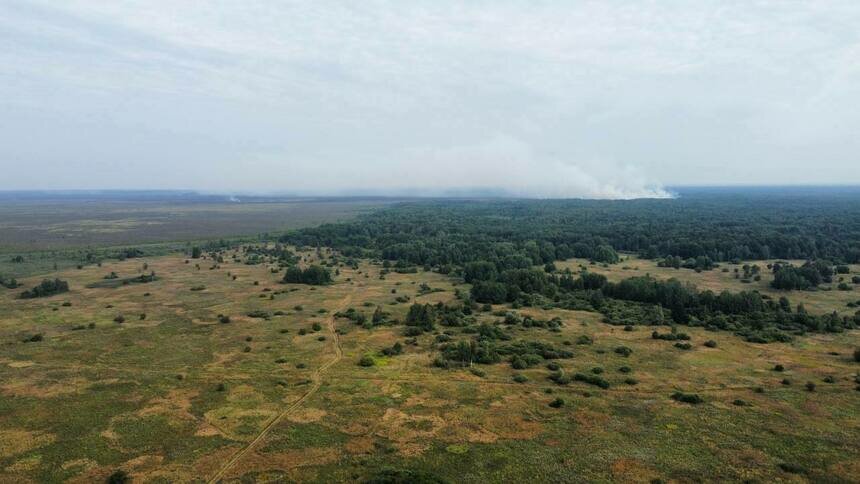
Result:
810,387
223,319
366,361
34,339
683,346
584,340
857,355
221,387
631,381
119,477
778,368
553,366
739,403
786,381
557,403
592,380
119,319
316,326
520,378
829,379
625,369
46,288
690,398
711,343
560,378
791,468
624,351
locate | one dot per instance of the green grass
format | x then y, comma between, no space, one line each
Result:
94,400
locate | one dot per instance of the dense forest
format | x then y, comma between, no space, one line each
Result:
507,248
718,225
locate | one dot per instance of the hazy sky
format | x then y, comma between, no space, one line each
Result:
595,99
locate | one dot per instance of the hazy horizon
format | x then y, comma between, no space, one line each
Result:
549,100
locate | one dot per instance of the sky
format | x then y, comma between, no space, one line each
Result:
602,99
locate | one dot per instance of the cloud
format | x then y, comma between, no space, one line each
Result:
590,99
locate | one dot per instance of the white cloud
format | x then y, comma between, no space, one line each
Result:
598,99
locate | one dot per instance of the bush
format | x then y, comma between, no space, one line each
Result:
791,468
592,380
683,346
34,339
316,326
366,361
690,398
557,403
631,381
118,477
624,351
778,367
739,403
119,319
625,369
46,288
711,343
857,355
223,319
520,378
810,387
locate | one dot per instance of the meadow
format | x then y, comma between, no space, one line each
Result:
150,379
31,222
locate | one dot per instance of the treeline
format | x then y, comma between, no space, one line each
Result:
694,231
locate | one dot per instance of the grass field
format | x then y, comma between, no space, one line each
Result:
33,224
180,397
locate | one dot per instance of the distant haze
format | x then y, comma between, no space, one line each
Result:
546,99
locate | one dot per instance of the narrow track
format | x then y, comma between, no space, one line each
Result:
317,383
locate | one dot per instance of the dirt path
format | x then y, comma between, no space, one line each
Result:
317,383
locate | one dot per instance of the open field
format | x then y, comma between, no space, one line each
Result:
180,397
824,299
57,222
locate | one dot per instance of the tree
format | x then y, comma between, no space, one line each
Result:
195,252
46,288
314,275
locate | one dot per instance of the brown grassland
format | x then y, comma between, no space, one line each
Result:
180,397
